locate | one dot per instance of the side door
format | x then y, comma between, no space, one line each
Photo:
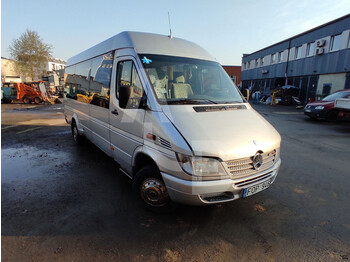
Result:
126,125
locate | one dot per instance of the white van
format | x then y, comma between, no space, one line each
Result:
167,112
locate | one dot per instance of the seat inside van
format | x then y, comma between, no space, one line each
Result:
180,89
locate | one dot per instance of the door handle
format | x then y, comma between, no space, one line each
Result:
115,112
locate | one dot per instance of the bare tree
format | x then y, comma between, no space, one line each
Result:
31,54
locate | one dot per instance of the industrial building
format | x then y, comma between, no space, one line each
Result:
317,61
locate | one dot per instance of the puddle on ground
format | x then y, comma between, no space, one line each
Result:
26,163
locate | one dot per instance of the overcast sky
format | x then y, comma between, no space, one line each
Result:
227,29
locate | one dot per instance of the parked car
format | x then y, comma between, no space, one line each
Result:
325,108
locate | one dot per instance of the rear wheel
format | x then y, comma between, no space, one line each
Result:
151,190
75,133
37,100
26,100
332,116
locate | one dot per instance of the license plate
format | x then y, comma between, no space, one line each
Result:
256,189
307,110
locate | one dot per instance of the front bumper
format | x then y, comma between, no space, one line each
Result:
217,191
319,113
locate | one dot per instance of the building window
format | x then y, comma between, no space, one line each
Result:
256,62
248,65
349,40
310,50
335,42
297,52
233,78
273,58
262,61
280,56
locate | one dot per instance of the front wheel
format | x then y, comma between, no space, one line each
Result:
151,191
332,116
27,100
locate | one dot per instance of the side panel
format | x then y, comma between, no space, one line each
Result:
76,89
101,71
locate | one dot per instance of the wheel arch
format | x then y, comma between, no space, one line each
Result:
142,159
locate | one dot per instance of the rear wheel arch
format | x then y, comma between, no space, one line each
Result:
75,133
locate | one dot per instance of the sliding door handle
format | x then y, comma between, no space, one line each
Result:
115,112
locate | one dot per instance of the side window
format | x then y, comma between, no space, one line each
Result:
82,74
101,71
124,74
70,89
127,75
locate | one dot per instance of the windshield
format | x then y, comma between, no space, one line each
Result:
334,96
179,80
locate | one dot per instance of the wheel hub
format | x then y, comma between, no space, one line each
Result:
154,193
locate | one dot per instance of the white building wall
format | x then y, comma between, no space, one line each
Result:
336,80
51,66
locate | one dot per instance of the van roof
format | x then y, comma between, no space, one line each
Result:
144,43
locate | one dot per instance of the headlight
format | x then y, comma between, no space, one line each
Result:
201,166
319,107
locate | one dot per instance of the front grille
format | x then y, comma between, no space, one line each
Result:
244,166
254,180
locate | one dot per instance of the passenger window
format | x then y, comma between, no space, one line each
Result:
82,81
127,75
70,83
101,71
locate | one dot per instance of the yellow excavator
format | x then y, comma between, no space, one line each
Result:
274,94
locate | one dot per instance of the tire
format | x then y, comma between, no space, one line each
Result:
332,116
78,139
37,100
26,100
151,191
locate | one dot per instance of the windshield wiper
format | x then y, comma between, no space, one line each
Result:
190,101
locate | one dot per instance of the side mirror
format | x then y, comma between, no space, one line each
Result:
143,102
124,95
